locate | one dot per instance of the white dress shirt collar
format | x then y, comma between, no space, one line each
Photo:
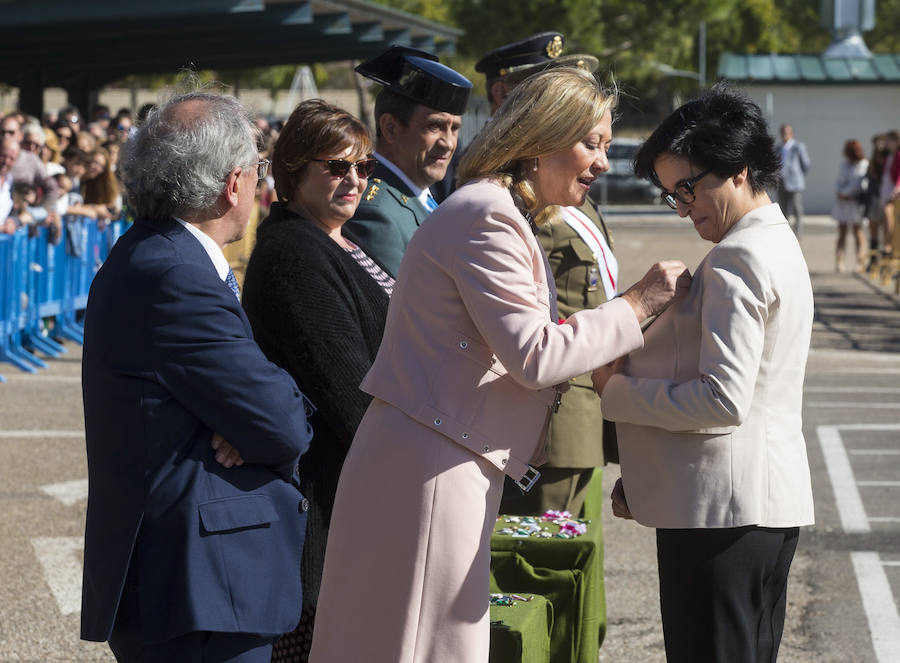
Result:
417,191
212,249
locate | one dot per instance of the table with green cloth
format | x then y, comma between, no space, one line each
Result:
567,572
521,632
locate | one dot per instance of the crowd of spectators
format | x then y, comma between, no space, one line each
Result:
881,190
65,164
60,164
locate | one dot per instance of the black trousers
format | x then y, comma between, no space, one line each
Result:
723,592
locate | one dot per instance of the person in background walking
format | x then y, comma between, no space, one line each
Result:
794,166
849,204
890,190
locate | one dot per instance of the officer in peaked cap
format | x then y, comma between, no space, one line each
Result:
417,117
578,247
507,66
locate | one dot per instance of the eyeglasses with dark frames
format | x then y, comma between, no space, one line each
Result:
340,167
684,191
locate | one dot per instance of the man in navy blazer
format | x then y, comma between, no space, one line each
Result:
794,166
189,556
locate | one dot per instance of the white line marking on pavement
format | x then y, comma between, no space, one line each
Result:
60,558
867,427
29,377
846,494
853,354
878,602
875,452
878,483
852,390
25,434
840,370
890,563
67,492
884,519
853,404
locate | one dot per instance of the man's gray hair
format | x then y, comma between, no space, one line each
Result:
36,131
179,158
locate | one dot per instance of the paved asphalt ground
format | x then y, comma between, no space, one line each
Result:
845,584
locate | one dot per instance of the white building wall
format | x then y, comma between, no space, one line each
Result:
824,117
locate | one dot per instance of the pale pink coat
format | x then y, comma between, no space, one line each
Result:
463,386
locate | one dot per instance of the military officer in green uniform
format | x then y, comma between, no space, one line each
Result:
578,246
417,117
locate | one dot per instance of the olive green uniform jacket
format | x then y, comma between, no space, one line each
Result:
575,439
386,218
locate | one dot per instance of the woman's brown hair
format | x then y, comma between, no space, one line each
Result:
314,130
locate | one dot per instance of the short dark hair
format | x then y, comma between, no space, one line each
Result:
75,152
314,129
394,104
724,131
23,188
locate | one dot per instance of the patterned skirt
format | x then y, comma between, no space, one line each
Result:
294,647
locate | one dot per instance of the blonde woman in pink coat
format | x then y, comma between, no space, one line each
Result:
464,383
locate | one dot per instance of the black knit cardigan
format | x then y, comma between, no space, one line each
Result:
319,315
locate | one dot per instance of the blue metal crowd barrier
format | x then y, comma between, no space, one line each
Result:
43,282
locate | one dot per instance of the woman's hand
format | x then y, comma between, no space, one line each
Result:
226,454
661,284
619,503
602,375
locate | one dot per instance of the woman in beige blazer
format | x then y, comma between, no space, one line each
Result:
708,413
464,384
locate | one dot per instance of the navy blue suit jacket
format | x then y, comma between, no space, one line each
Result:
168,359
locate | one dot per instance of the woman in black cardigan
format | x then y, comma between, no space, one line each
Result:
317,305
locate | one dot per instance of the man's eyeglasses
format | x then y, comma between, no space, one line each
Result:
10,132
262,168
340,167
684,191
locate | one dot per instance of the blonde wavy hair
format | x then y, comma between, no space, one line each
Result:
547,112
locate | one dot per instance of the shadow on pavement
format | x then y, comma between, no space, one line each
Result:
854,314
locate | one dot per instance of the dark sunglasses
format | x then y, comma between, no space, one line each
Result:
684,191
340,167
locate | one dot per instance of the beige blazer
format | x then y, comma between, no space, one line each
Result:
472,348
708,414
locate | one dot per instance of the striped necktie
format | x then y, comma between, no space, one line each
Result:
430,203
232,283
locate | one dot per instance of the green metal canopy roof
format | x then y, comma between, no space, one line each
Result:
83,45
809,69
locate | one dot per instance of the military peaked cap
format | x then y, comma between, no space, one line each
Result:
528,56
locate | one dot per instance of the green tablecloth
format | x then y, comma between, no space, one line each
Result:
568,572
521,632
